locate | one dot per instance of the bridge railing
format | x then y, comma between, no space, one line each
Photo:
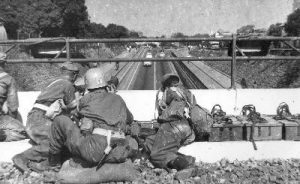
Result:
233,58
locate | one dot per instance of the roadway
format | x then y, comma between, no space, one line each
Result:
149,77
137,76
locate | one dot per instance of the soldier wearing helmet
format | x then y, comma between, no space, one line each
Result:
174,131
12,128
57,97
103,119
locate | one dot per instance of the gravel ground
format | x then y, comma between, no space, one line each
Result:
224,171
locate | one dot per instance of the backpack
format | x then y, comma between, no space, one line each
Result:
201,121
174,111
199,118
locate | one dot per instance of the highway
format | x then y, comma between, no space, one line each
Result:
148,78
137,76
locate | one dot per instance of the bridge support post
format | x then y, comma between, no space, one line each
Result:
233,62
68,50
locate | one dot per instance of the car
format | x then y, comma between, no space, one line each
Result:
162,54
148,63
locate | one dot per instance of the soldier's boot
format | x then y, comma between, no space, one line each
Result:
3,135
52,164
185,165
21,162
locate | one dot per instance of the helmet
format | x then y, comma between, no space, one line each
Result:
168,78
96,78
69,66
2,57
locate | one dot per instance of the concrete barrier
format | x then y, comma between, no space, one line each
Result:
141,102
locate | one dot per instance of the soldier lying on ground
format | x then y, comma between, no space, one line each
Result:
11,127
101,135
58,97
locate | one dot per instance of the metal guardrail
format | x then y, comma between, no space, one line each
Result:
232,58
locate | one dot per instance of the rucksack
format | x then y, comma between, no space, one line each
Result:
199,118
201,121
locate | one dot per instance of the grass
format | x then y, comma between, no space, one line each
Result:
259,74
34,77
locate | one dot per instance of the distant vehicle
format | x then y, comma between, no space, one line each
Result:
162,54
148,63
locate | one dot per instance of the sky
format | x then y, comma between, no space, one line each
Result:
164,17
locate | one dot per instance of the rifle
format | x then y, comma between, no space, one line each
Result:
255,118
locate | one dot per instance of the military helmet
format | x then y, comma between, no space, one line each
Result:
96,78
168,78
2,57
69,66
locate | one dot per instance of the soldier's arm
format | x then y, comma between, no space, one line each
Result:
70,99
12,98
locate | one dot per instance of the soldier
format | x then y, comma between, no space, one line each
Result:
175,130
56,98
11,129
101,136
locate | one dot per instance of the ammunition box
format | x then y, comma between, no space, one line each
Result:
269,130
291,129
227,132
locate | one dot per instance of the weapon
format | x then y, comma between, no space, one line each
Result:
255,118
106,151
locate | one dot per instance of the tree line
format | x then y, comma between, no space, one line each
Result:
53,18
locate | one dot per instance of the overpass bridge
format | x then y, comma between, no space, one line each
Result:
138,85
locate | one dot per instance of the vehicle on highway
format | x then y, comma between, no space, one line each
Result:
148,63
162,54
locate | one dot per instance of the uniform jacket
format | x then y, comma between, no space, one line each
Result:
8,91
105,108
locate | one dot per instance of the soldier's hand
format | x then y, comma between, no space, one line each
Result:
5,108
13,114
135,129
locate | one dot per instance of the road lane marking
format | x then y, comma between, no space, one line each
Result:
133,76
154,73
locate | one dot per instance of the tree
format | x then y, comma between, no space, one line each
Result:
116,31
95,30
292,26
75,17
133,34
8,14
178,35
275,30
45,20
246,29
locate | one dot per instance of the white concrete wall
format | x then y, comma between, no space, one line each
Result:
141,103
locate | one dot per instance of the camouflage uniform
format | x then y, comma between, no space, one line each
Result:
106,111
9,123
172,134
38,124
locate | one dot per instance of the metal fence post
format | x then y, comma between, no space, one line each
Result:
233,62
68,50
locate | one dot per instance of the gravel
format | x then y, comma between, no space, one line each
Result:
223,171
